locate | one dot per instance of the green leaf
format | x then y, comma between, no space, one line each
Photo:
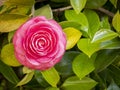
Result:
51,76
64,67
10,22
17,6
94,21
52,88
103,35
105,58
83,65
114,2
93,4
78,5
40,79
74,83
87,47
26,79
26,70
115,73
72,35
10,36
113,86
104,24
8,56
116,22
44,11
8,73
78,18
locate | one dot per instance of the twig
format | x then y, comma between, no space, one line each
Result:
62,9
106,12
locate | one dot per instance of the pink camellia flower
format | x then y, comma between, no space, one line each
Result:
39,43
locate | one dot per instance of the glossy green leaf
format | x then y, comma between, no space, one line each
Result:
10,22
83,65
8,56
78,5
105,58
87,47
94,21
113,86
72,35
52,88
44,11
26,79
51,76
93,4
40,79
8,73
17,6
74,83
78,18
64,67
104,24
103,35
114,2
10,36
116,22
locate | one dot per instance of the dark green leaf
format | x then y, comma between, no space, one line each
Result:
93,4
74,83
44,11
105,58
78,18
114,2
83,65
64,67
10,22
78,5
52,88
8,73
94,21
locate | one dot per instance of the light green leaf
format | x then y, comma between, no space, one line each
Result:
74,83
73,35
104,24
116,22
78,5
103,35
8,73
27,70
87,47
93,4
51,76
10,22
94,21
83,65
78,18
44,11
17,6
10,36
114,2
8,56
26,79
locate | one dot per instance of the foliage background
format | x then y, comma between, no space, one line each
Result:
92,58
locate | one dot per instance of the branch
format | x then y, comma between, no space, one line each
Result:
62,9
106,12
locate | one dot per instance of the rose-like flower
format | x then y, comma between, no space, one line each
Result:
39,43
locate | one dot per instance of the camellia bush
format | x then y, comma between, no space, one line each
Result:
59,45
